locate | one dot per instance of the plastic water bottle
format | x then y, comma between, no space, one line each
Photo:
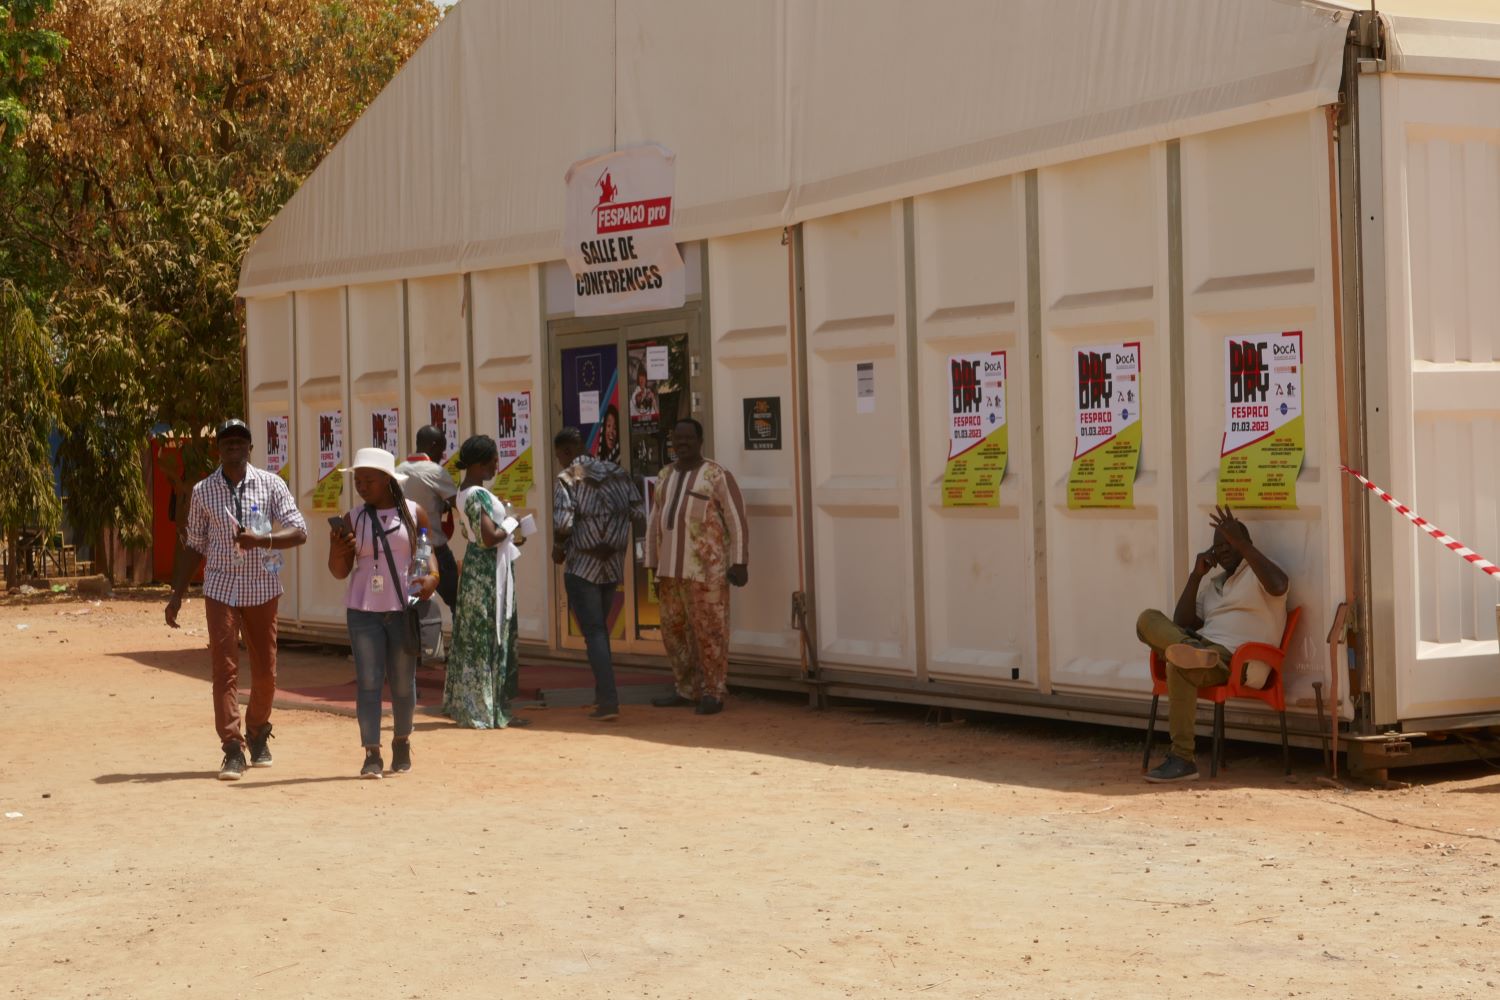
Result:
421,563
259,523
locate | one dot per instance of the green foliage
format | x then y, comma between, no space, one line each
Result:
26,52
154,143
28,411
105,408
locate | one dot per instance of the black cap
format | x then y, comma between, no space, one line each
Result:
233,428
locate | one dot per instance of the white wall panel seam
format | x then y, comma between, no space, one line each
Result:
915,478
1176,346
1036,420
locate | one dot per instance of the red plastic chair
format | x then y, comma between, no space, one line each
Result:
1215,693
1273,694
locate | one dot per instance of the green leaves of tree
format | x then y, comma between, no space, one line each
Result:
153,140
28,406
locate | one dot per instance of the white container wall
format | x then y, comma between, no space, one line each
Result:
860,454
321,388
752,359
1257,258
1104,278
979,562
438,350
377,367
269,378
1442,212
509,357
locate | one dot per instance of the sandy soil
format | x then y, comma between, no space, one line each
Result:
767,852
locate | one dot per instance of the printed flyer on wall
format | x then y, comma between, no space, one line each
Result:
329,491
278,447
385,427
443,414
1264,436
513,438
978,440
1107,437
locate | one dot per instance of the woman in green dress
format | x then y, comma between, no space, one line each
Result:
482,676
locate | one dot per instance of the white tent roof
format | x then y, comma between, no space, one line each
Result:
1438,37
778,111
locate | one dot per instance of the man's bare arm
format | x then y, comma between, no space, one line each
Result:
1270,575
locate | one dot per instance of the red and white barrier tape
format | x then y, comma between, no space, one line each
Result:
1448,541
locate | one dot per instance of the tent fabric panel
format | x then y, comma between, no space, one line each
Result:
538,92
380,205
779,112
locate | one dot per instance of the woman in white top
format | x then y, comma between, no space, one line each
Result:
372,547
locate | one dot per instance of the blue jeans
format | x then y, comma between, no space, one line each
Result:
375,638
591,603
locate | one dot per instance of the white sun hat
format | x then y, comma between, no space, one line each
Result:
378,459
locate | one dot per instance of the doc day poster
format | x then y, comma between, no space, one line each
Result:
385,430
329,491
978,440
513,438
278,447
1264,436
1107,438
443,414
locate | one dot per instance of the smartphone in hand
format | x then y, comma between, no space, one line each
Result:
340,525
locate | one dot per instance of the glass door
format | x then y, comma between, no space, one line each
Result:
660,394
588,376
625,388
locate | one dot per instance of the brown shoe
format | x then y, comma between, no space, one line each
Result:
1191,657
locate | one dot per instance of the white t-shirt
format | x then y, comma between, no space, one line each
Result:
1236,609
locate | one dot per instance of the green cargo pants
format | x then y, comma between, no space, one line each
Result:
1158,631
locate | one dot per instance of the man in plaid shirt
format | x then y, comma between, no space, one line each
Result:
240,590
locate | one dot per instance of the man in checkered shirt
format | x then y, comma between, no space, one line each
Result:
239,591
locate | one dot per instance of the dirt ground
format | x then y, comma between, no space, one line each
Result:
769,852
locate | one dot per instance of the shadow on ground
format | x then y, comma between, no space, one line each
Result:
987,747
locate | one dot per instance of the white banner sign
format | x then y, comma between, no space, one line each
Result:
617,232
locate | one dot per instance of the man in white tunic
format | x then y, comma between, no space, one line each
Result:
1214,615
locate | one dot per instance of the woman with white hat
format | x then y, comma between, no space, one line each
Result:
372,546
482,676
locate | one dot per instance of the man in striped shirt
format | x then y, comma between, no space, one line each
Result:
594,504
698,542
240,589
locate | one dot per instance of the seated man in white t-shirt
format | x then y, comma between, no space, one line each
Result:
1214,615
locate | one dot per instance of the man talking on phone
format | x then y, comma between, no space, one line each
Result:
1214,614
241,586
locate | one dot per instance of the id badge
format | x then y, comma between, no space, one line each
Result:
237,558
377,584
